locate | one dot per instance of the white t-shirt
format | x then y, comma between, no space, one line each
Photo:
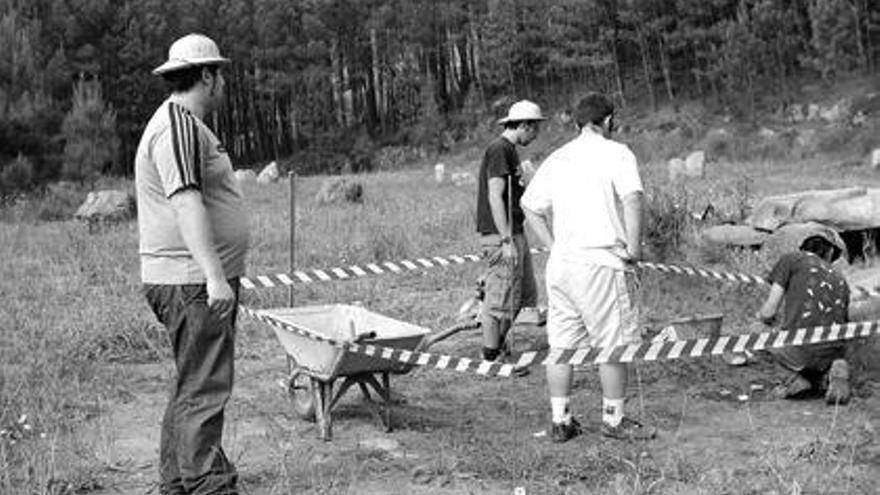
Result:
582,184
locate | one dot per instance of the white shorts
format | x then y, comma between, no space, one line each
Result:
590,306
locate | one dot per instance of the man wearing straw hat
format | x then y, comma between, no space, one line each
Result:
592,189
509,279
194,236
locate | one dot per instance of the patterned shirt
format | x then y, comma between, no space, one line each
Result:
815,295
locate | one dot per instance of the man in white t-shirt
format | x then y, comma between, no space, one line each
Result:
585,203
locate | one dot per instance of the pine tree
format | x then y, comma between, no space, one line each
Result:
91,144
834,40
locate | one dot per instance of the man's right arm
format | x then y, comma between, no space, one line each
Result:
767,313
180,169
195,228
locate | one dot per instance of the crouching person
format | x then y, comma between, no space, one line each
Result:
811,293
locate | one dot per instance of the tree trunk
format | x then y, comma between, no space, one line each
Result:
859,15
664,66
347,94
474,54
335,84
378,105
646,66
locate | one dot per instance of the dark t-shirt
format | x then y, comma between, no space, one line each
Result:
815,295
500,160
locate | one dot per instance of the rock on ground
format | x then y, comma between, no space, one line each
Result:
269,174
340,190
107,205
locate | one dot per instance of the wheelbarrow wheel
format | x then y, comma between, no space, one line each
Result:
299,388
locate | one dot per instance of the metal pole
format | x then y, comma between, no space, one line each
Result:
511,312
291,181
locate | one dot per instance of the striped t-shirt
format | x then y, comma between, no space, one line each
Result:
178,152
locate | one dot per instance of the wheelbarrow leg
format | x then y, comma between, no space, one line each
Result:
346,384
323,393
384,392
386,385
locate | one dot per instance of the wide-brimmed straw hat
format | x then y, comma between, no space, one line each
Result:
191,51
521,111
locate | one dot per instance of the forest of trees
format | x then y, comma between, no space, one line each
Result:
319,79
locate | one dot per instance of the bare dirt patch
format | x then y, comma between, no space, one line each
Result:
461,434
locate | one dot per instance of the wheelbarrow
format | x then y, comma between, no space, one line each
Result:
315,367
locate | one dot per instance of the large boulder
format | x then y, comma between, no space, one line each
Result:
676,168
695,164
245,175
340,190
854,208
463,178
269,174
692,166
735,235
106,206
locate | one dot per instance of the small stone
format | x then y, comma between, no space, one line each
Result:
875,158
439,173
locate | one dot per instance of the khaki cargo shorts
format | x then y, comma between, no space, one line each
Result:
507,289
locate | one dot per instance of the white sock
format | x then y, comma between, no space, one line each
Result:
559,408
612,411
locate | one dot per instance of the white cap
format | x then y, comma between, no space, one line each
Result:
521,111
190,51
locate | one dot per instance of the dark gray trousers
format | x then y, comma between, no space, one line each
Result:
191,457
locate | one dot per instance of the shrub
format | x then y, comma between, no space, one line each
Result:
60,202
16,176
668,221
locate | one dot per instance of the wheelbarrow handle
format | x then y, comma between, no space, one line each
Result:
430,340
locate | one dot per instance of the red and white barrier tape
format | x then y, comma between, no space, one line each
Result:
422,264
648,351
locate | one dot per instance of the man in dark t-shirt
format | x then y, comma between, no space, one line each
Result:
813,294
509,279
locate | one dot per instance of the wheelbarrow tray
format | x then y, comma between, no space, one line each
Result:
342,323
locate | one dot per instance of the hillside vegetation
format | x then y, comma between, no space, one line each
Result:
329,85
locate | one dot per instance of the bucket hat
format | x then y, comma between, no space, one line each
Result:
190,51
523,110
791,237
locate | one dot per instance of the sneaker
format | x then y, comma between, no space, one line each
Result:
502,356
838,383
796,386
521,371
629,429
563,432
506,356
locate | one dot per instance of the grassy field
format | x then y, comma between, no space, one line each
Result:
83,365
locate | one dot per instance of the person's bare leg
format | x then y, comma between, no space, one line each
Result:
559,379
613,379
494,330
